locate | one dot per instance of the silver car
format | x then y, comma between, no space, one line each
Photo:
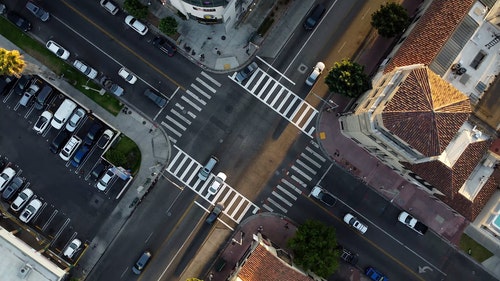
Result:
75,119
37,11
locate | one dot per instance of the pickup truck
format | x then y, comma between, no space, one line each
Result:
324,196
412,223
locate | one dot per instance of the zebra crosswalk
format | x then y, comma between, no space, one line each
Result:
181,114
300,175
283,101
185,169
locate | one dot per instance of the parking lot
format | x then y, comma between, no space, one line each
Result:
73,207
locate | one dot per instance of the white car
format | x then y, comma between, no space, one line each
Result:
72,248
102,184
85,69
105,138
57,50
21,199
317,70
5,177
355,223
42,122
217,183
30,210
75,119
127,75
136,25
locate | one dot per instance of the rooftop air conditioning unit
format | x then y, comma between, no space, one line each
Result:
24,271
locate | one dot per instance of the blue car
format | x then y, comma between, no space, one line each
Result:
375,275
79,155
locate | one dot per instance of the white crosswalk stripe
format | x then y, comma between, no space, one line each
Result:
283,101
181,115
184,168
298,178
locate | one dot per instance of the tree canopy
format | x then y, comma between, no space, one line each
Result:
314,248
347,78
390,20
136,9
11,62
168,26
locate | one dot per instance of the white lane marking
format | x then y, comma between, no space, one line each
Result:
310,160
206,85
293,187
277,205
195,97
284,190
281,198
315,154
211,79
180,116
306,167
199,90
301,173
182,127
299,181
191,103
171,129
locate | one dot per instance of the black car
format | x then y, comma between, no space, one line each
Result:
5,83
215,213
19,21
21,84
59,141
92,134
314,16
349,256
97,171
12,188
164,45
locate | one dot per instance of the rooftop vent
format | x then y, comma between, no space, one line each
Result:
24,271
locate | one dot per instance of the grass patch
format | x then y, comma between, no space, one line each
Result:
474,249
126,154
58,66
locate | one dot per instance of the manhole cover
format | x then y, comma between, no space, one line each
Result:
302,68
223,37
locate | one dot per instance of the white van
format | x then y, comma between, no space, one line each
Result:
62,114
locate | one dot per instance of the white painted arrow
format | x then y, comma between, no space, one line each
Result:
423,269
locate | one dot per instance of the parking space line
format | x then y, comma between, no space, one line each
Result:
54,213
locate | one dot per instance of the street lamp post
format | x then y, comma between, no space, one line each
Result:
100,91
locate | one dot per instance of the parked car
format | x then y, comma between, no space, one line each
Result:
102,184
317,70
42,122
12,188
207,168
412,223
349,256
141,263
43,97
19,21
22,198
127,75
92,134
62,114
314,16
217,183
355,223
105,138
136,25
30,211
37,11
75,119
79,156
5,82
57,49
21,84
70,148
72,248
6,176
164,45
155,97
246,72
110,6
375,275
27,98
85,69
97,171
215,213
59,141
110,86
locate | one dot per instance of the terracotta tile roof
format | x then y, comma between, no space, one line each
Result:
426,112
430,33
264,266
450,180
495,147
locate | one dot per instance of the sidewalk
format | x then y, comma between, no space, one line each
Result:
155,151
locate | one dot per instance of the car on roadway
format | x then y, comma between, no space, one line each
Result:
103,183
110,86
29,94
207,168
57,49
155,97
42,122
323,195
317,70
141,262
79,156
30,211
243,74
106,137
349,257
72,248
314,16
6,176
375,275
164,45
412,223
136,25
19,21
75,119
22,198
217,183
355,223
127,75
12,188
37,11
110,6
217,210
84,68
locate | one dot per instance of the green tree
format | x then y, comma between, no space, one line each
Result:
390,20
168,26
347,78
314,248
136,9
11,62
